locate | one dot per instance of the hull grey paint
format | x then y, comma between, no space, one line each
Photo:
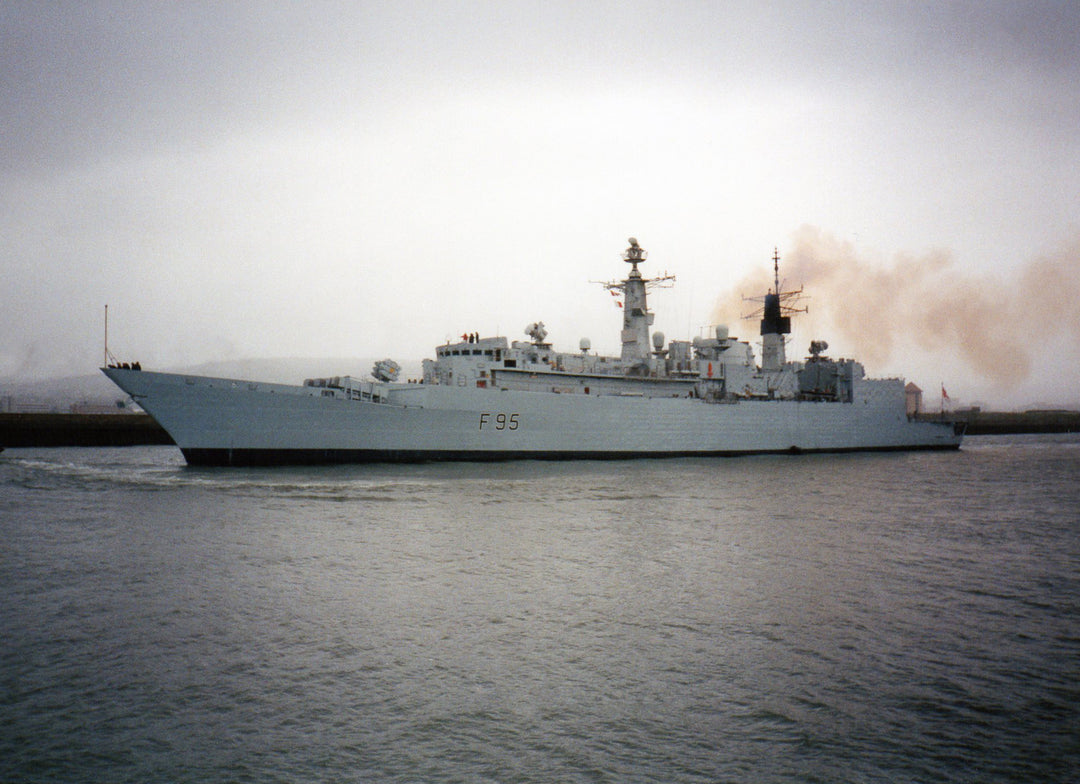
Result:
231,422
485,399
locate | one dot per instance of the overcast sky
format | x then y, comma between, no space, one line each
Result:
364,179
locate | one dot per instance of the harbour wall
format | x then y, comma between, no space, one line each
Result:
38,429
983,423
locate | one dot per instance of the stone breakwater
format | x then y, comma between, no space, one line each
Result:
37,430
984,423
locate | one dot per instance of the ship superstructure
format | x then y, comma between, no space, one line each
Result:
485,398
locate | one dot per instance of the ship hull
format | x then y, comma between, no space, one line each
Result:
281,457
234,422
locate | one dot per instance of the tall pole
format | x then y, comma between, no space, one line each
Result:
106,363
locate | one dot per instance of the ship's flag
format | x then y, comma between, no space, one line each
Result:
944,394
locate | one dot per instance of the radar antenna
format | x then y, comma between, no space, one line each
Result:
777,306
635,254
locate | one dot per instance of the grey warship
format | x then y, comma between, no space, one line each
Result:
489,398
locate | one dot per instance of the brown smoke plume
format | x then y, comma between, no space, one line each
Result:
991,323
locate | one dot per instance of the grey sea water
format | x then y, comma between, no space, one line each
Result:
863,618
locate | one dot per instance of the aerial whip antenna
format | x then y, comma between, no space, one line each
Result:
109,358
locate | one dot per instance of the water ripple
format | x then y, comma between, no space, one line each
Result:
832,618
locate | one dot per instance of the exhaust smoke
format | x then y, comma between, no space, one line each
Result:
993,324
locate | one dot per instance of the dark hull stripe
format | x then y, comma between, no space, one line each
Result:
274,457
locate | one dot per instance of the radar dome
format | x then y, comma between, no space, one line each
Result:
658,340
585,344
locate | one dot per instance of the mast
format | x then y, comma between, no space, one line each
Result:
637,319
636,316
776,320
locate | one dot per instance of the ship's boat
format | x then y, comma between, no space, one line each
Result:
488,398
